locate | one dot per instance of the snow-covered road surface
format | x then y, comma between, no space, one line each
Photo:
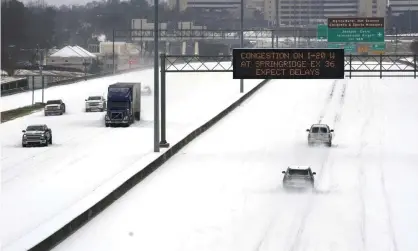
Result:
223,191
86,161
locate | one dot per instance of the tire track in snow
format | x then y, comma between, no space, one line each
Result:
388,208
46,150
327,102
308,208
362,184
326,163
384,190
337,116
41,156
362,177
259,245
77,200
300,222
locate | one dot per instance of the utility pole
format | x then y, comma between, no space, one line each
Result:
241,84
156,82
277,23
40,71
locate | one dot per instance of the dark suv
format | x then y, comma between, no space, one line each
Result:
37,135
54,107
298,177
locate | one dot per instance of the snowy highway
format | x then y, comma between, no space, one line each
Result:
45,187
223,191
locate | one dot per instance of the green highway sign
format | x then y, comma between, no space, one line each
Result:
322,31
378,47
348,48
370,35
356,29
335,46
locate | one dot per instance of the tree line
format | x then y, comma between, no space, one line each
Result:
26,27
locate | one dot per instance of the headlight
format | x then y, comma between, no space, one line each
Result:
24,136
107,117
125,118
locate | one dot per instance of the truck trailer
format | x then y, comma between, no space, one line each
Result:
123,104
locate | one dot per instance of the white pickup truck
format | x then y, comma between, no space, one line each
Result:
95,103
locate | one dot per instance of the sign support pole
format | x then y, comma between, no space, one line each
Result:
163,142
241,81
156,82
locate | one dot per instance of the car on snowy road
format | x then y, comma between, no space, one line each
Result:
53,107
95,103
37,135
298,177
146,91
320,134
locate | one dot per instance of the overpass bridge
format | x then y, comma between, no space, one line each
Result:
147,35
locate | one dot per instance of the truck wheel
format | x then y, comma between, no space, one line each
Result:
87,110
23,145
329,144
50,140
137,116
46,143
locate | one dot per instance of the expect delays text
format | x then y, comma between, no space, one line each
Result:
284,68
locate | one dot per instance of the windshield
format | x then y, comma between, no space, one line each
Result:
95,98
115,105
319,130
298,172
53,102
118,89
35,128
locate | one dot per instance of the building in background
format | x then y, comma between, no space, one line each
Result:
312,12
403,16
71,57
214,4
180,5
126,55
234,5
399,7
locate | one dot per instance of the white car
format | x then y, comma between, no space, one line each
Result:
298,177
95,103
146,91
320,134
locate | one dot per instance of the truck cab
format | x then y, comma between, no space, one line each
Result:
123,104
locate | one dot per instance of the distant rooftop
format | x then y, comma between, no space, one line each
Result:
73,51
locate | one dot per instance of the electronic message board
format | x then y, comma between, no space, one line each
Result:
288,63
